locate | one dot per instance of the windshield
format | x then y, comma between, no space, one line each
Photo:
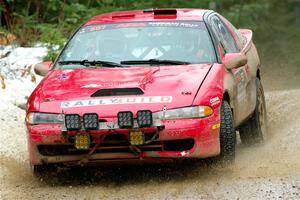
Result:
140,41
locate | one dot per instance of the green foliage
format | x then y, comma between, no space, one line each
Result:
53,21
247,15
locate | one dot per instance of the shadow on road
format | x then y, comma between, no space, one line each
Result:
132,174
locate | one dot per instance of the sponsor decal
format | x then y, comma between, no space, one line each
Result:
115,101
186,93
110,84
241,78
241,93
62,77
97,28
94,28
174,24
48,99
214,101
125,25
91,86
216,126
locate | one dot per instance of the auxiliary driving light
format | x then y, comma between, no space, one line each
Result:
125,119
144,118
136,137
90,121
82,141
72,122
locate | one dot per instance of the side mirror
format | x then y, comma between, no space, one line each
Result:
234,60
43,68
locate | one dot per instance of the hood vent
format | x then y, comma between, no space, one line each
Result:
117,92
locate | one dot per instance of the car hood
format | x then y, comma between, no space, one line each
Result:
70,90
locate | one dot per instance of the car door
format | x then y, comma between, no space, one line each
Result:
228,44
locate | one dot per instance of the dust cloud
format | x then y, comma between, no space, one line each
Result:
270,170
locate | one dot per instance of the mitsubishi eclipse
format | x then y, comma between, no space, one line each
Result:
147,85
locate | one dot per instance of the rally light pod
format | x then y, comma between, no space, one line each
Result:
91,121
72,122
125,119
82,141
144,118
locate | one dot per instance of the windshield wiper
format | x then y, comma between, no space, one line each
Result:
154,62
88,63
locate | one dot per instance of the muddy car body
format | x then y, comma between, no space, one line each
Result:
153,95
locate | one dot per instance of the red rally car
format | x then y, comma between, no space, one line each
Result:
149,84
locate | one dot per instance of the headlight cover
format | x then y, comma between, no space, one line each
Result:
184,113
44,118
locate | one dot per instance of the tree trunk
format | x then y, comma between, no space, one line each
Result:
62,12
7,14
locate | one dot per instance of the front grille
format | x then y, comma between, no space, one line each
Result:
179,145
56,150
117,143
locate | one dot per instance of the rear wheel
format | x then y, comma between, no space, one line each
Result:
227,134
255,129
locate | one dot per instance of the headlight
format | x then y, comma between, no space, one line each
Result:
44,118
184,113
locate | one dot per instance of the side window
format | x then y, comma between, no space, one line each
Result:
223,35
239,38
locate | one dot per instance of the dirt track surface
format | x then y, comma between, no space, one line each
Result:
269,171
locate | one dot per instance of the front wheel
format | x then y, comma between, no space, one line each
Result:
227,134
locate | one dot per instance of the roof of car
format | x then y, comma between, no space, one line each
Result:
149,15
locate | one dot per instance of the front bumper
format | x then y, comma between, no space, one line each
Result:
198,138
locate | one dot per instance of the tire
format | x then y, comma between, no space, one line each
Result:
227,134
255,129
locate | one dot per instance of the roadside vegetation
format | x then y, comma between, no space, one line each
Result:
276,23
53,21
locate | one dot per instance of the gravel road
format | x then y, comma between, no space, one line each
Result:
269,171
